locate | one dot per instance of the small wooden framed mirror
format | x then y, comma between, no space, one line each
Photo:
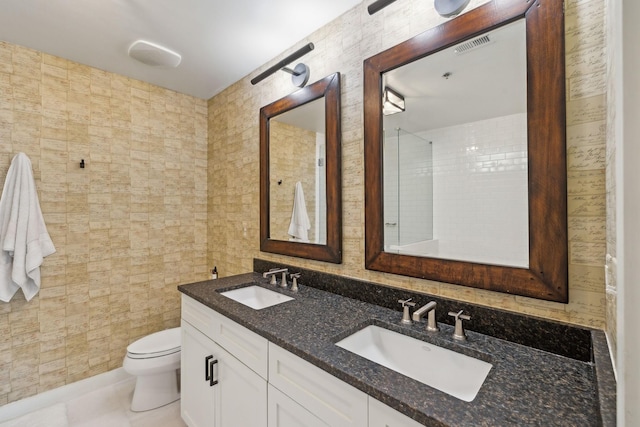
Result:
300,173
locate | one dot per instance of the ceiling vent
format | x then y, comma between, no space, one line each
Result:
472,44
153,54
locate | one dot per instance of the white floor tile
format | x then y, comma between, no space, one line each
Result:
53,416
109,406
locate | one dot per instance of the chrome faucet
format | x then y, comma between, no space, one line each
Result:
406,319
273,273
458,332
430,309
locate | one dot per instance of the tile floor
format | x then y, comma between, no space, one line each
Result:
105,407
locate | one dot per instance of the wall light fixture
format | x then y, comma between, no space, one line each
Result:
378,5
300,73
449,8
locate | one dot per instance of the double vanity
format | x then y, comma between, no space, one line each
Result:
257,354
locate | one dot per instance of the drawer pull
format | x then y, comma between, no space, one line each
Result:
207,373
212,382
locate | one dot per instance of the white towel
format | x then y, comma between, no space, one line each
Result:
24,241
300,224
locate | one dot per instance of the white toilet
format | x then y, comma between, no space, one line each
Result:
154,360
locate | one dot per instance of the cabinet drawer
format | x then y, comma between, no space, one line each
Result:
198,315
284,412
328,398
381,415
247,346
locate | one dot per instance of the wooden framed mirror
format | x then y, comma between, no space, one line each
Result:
300,173
541,270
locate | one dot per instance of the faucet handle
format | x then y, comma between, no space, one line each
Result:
294,284
458,332
405,310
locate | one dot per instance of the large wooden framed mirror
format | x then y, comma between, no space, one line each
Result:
300,173
465,152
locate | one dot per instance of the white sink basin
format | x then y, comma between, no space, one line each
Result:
256,297
456,374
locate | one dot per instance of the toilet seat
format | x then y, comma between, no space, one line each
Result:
157,344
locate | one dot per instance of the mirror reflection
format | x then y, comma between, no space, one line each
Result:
455,175
297,175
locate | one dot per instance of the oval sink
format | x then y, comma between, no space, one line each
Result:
256,297
456,374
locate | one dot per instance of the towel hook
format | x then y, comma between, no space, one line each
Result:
81,163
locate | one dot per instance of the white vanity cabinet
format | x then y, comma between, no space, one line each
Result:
218,388
260,384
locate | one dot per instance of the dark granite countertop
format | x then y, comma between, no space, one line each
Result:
525,387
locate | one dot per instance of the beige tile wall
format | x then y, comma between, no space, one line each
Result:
342,46
128,228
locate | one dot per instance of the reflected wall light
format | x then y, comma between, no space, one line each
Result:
392,102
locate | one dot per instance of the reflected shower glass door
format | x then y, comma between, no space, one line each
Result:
408,192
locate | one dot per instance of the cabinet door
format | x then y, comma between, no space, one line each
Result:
284,412
241,394
328,398
197,395
381,415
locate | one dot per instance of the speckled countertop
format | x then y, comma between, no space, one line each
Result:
525,387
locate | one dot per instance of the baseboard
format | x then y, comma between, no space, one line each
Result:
62,394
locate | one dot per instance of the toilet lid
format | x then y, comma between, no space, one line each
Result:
156,344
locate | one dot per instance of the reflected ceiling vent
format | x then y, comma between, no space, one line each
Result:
472,44
154,55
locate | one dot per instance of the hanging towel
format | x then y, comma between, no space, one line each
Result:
24,241
300,224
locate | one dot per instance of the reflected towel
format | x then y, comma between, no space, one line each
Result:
24,240
300,224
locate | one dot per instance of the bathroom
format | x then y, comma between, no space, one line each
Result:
171,188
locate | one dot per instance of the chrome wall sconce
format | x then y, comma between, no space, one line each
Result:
392,102
378,5
449,8
446,8
299,74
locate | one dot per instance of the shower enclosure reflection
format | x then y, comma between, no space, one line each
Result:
454,193
455,157
408,195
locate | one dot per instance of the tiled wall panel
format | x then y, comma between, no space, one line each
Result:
128,228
